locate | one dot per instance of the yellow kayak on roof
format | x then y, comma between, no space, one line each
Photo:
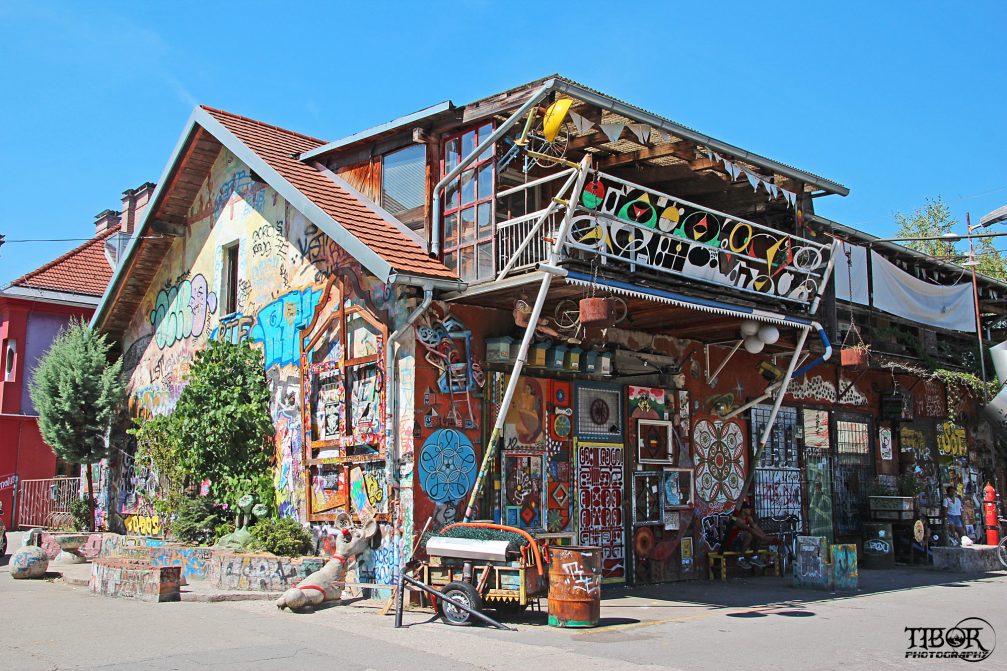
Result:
554,118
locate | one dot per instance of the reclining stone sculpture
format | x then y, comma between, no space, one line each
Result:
324,584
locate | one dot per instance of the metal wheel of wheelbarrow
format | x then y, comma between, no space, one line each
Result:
462,592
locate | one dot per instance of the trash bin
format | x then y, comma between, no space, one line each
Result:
879,546
574,586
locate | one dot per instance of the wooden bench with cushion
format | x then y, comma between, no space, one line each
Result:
769,556
714,531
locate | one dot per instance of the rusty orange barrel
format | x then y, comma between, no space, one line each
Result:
574,586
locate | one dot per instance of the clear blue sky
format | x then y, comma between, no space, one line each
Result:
900,101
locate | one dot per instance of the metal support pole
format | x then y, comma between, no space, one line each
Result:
399,598
975,297
536,312
772,417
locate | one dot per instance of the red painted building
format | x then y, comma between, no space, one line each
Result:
33,310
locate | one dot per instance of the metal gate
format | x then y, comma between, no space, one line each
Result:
777,475
46,503
852,472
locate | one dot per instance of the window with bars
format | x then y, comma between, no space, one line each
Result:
781,449
468,206
852,437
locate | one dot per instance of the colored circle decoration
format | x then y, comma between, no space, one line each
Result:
720,460
561,426
643,542
599,411
447,466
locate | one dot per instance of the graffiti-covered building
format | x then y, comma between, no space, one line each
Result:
661,289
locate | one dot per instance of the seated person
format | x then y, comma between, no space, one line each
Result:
743,535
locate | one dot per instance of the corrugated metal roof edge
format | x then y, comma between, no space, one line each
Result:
691,133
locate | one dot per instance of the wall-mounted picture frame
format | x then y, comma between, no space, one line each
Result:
654,441
677,488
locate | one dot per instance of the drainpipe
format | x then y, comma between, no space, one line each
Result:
392,465
435,211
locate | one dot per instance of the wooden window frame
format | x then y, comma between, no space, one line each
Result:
345,364
449,210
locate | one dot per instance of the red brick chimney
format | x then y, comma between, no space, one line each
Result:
105,220
134,202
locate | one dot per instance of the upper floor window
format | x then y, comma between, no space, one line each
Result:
230,291
404,184
468,206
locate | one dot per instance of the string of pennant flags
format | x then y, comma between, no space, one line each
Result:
643,133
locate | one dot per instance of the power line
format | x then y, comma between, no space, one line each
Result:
3,240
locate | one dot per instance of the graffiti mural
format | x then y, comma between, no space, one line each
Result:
182,310
654,230
819,389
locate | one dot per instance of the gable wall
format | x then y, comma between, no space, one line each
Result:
285,266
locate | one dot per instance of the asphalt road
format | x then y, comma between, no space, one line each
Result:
750,623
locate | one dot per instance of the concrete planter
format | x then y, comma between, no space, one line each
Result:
259,572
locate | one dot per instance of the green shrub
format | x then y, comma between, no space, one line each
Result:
285,537
222,423
197,520
80,511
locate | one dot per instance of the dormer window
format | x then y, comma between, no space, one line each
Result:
404,184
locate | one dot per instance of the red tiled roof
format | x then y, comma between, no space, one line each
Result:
278,147
83,270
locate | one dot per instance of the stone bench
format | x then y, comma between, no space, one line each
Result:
972,559
135,579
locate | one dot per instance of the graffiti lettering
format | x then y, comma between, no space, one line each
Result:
241,184
142,525
181,311
278,325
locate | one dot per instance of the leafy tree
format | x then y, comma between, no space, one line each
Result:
934,220
930,221
159,446
992,261
223,425
77,393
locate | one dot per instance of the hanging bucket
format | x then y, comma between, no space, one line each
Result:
853,357
597,311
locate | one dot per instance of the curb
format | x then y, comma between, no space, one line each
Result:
230,596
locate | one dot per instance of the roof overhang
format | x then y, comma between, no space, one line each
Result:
643,116
48,296
394,124
200,118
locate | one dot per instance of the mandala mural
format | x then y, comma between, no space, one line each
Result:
720,460
447,466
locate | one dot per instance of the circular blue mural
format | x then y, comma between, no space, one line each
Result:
447,466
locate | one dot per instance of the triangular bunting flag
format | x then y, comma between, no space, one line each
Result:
641,131
612,130
732,169
581,123
774,190
753,180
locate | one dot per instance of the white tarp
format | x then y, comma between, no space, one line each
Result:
856,256
898,292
